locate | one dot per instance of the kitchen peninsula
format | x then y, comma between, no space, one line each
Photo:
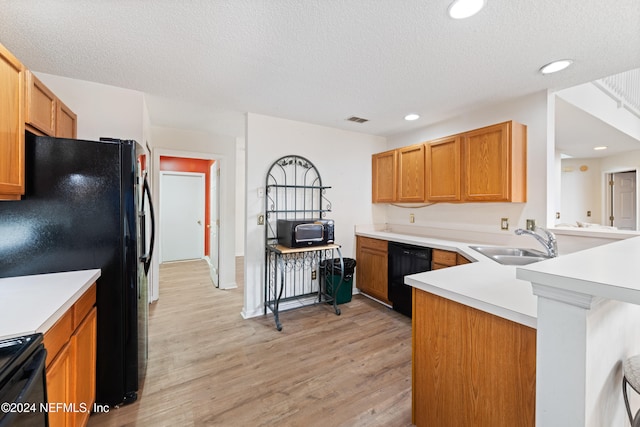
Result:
474,340
581,310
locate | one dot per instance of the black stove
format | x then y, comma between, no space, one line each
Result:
22,382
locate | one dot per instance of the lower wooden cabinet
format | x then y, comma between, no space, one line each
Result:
443,259
71,363
59,384
372,274
470,368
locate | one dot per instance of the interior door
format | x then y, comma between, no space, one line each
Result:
182,215
624,200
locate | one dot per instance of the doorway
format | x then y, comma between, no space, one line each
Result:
621,205
182,216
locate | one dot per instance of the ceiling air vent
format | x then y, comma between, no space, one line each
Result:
357,119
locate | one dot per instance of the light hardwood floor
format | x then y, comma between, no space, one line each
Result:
210,367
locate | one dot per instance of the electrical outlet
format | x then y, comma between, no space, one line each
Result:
531,224
588,213
557,215
412,218
260,219
313,275
504,223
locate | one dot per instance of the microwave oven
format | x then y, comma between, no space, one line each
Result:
300,233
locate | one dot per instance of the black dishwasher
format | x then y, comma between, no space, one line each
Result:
403,260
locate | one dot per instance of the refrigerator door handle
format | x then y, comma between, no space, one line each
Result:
146,258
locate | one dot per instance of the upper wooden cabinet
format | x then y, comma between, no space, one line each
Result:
411,173
443,169
398,175
482,165
45,113
41,106
66,122
25,103
494,163
383,170
11,126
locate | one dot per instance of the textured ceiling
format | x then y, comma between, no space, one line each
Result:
205,62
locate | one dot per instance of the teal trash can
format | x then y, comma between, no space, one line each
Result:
330,270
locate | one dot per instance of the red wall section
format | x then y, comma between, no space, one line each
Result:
183,164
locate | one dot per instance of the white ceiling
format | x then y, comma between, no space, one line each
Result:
577,132
204,63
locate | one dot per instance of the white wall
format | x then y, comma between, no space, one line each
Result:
241,154
103,111
483,219
582,191
344,161
201,145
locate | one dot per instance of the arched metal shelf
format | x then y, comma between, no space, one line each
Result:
294,190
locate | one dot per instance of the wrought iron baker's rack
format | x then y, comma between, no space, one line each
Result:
294,190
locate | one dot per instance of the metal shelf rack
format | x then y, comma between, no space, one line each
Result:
294,190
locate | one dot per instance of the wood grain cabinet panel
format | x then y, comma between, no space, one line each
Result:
59,378
11,126
83,365
41,107
71,362
46,114
66,122
384,181
470,368
411,173
494,163
443,169
371,273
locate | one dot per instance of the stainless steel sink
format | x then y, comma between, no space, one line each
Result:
511,256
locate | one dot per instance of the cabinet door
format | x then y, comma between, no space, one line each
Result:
59,388
11,126
383,170
411,173
372,274
66,121
41,106
486,165
84,366
443,169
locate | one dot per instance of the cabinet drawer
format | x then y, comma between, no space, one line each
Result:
83,306
374,244
444,257
58,336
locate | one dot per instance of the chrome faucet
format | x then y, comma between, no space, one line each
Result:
550,243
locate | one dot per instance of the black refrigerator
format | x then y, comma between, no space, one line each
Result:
83,208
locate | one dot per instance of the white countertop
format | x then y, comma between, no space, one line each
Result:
32,304
483,284
609,271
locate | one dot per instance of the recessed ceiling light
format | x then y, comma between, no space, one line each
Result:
556,66
602,147
461,9
412,116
